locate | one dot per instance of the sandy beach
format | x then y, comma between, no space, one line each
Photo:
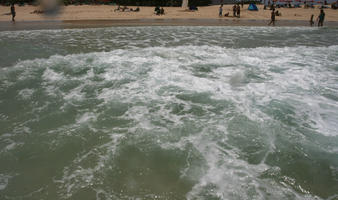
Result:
106,12
104,15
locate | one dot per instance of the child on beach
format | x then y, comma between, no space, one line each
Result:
311,21
220,10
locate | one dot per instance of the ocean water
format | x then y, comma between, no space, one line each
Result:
171,113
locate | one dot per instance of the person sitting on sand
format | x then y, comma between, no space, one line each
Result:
273,18
226,14
118,8
278,13
321,18
37,12
157,10
125,8
13,12
311,21
220,13
193,8
234,10
137,9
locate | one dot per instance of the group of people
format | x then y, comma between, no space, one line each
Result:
159,11
320,18
236,11
126,9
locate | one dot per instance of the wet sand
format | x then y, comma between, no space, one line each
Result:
67,24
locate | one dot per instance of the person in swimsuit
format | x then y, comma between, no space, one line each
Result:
13,12
321,18
273,18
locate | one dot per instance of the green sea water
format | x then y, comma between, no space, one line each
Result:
192,113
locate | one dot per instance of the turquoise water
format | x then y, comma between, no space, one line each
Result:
169,113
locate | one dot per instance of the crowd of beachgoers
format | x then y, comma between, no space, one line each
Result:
270,10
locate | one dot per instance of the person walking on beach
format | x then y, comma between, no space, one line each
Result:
220,10
273,18
238,11
13,12
311,20
321,18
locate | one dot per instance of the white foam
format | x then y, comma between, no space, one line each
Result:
26,93
247,78
4,181
75,94
168,68
86,117
51,76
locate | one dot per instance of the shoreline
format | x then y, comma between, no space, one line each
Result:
86,16
71,24
95,16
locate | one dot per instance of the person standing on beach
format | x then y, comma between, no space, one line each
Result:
238,11
321,18
273,18
220,10
13,12
234,10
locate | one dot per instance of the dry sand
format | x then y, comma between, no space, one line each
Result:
99,12
100,15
